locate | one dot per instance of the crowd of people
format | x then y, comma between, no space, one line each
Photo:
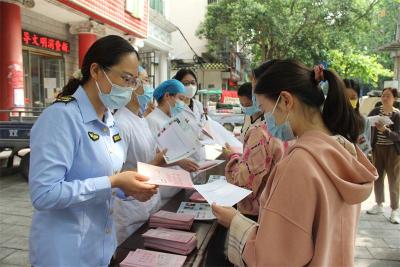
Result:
310,160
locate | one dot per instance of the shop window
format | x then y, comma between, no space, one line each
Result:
148,61
157,5
44,78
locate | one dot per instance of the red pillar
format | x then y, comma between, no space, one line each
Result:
85,41
11,68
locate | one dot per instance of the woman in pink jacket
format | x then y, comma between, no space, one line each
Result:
310,207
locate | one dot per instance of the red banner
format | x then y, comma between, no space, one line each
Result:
45,42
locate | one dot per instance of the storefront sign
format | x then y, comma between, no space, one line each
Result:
44,42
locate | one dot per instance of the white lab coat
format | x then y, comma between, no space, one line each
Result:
197,112
157,119
197,120
140,145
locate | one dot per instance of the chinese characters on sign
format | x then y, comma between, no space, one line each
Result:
41,41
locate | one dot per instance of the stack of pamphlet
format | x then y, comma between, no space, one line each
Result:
147,258
175,241
172,220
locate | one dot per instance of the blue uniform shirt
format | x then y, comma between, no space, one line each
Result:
72,155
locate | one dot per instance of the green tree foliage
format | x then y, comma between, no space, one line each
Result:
364,67
303,29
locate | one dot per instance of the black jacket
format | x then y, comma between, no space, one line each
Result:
393,134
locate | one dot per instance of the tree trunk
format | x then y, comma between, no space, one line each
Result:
264,52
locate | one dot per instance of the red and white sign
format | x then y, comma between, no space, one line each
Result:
45,42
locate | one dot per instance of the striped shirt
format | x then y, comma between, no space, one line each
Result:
381,137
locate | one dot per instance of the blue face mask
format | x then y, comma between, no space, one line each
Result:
283,131
253,109
250,110
118,97
146,98
178,108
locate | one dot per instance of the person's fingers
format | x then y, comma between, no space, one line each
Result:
215,209
194,164
141,178
145,187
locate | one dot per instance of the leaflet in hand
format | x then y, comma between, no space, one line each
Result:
174,241
213,178
221,136
201,211
222,193
385,120
165,176
213,151
206,165
178,139
148,258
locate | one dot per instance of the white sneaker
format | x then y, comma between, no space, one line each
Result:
377,209
395,217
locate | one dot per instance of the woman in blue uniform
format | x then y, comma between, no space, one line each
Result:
76,157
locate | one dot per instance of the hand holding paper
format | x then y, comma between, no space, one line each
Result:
165,176
222,193
220,135
178,139
385,120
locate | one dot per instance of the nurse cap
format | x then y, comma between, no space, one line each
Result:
169,86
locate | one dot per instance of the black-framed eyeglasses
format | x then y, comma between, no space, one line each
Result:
128,79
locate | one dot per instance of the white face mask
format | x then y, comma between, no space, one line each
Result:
190,91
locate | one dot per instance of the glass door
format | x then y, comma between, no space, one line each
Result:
44,77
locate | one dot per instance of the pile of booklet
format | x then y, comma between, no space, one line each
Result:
172,220
174,241
147,258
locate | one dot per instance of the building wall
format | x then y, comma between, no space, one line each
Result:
209,79
38,23
187,15
212,78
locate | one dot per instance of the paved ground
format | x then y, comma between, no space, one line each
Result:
378,241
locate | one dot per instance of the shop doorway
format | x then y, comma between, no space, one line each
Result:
44,77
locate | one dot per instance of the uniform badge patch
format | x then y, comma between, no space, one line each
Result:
93,136
116,138
64,99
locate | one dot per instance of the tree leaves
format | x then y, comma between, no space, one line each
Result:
307,30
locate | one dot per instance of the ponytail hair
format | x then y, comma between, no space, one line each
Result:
338,114
294,77
107,52
70,88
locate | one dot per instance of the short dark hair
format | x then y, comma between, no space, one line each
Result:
182,73
394,91
289,75
245,90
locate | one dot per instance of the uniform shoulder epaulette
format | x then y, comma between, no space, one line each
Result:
64,99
